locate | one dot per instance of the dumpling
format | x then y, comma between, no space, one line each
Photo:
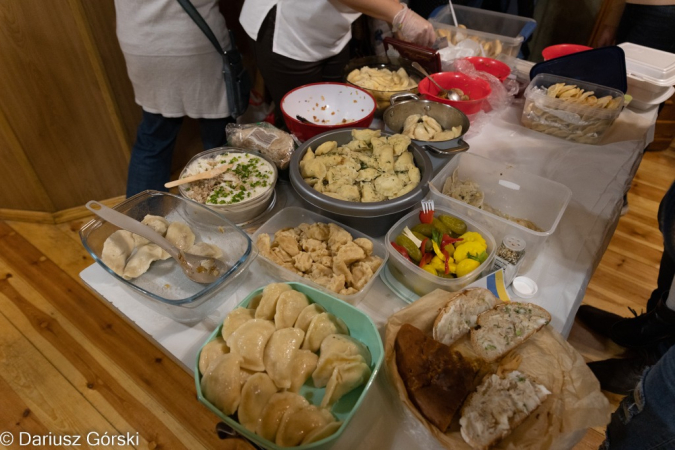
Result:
344,379
249,341
320,327
116,249
274,411
236,318
303,365
336,350
321,433
180,235
211,352
289,306
255,394
268,303
296,424
307,314
221,384
158,223
280,353
207,250
139,263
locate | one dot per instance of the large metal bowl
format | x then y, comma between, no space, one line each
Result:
374,218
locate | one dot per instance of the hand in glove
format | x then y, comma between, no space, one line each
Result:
411,27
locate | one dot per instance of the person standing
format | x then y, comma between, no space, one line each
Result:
650,23
175,72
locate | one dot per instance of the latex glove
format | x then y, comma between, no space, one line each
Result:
411,27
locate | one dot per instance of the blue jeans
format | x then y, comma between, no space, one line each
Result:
645,419
150,164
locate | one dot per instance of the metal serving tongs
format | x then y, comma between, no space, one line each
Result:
200,269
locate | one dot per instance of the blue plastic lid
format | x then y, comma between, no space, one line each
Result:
605,66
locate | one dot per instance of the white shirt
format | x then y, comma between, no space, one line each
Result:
306,30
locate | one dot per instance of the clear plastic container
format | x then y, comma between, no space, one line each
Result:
497,31
422,282
510,191
568,119
164,287
361,327
291,218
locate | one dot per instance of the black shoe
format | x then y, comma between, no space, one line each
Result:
598,320
646,329
620,376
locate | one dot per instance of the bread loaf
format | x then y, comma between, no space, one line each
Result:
460,314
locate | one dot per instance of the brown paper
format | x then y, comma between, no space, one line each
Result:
575,404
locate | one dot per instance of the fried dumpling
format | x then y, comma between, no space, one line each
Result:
320,327
274,411
289,306
268,303
336,350
307,314
180,235
221,383
249,341
211,352
255,394
206,250
296,424
236,318
280,354
139,263
321,432
344,379
116,249
303,366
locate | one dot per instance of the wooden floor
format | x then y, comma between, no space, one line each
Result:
71,365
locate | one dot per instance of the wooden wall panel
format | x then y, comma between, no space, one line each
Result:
54,102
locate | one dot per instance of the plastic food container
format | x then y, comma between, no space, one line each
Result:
567,119
291,218
422,282
511,191
246,210
477,89
360,327
651,74
500,34
164,287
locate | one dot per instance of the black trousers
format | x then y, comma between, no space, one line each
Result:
282,74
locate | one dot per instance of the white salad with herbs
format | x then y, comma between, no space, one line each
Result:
249,177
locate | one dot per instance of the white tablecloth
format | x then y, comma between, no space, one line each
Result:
598,176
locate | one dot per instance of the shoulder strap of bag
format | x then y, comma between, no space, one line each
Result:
201,23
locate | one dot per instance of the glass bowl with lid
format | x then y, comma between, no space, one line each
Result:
242,193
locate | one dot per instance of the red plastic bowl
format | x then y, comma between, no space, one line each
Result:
556,51
327,106
476,88
491,66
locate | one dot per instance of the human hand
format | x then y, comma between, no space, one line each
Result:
410,26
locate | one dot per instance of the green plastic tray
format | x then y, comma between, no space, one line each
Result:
360,327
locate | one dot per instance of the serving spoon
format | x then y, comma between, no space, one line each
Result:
443,93
200,176
200,269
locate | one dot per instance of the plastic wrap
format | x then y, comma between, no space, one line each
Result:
263,137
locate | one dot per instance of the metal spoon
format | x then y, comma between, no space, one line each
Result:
450,95
200,269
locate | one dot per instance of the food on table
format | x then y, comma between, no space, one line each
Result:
498,406
370,168
490,48
505,327
256,368
264,137
382,79
130,255
571,93
426,128
441,246
324,253
460,315
249,177
437,378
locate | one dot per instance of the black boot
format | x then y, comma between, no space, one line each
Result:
646,329
620,375
598,320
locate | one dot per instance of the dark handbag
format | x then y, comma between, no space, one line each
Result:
237,79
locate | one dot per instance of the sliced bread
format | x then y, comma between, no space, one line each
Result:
459,316
505,327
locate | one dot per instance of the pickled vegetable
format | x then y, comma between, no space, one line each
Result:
440,226
405,242
421,237
466,266
456,226
424,229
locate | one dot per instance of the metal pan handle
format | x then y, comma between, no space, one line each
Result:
461,146
402,97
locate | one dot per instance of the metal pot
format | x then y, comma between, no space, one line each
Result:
374,218
404,105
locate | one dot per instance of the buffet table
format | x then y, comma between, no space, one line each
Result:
598,177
